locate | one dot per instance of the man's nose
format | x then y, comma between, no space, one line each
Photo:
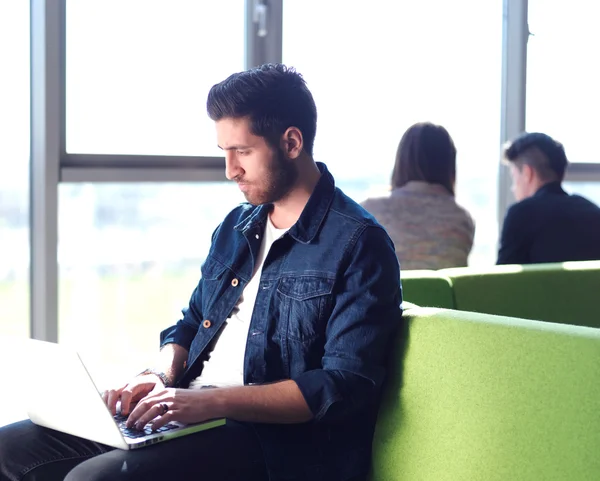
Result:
232,165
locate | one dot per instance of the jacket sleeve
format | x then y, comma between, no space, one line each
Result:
185,330
366,314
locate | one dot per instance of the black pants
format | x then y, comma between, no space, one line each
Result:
227,453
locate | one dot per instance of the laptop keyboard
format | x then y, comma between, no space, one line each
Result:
133,433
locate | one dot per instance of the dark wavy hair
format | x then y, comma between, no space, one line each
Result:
427,153
540,151
273,97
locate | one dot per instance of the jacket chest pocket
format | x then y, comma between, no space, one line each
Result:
213,275
306,302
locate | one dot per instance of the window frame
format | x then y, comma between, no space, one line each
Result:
81,167
514,90
51,164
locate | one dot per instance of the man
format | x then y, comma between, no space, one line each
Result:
285,335
546,224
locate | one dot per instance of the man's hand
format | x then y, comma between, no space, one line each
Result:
280,402
171,361
184,405
132,392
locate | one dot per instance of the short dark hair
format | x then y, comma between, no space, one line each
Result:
427,153
274,97
540,151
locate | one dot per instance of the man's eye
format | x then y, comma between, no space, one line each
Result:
243,152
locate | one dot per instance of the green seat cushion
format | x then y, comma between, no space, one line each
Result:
427,288
565,293
476,397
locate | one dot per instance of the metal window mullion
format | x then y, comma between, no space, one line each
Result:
47,22
140,168
265,48
139,175
515,33
582,172
82,161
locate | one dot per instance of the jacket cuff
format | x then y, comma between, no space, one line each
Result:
180,334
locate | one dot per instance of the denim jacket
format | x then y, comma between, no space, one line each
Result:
327,306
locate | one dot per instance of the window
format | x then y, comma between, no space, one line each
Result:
138,72
14,165
129,259
589,190
130,254
377,68
563,97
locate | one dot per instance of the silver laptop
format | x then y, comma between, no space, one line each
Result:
63,396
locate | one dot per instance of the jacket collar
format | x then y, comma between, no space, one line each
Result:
307,226
550,188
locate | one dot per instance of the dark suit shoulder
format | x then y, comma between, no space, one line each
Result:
524,208
584,203
551,226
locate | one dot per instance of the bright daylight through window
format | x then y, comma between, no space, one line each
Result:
563,97
14,165
390,65
130,254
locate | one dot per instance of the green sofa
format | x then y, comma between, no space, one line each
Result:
427,288
567,293
474,397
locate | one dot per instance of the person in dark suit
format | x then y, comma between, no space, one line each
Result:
546,224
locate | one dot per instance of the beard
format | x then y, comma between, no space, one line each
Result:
277,183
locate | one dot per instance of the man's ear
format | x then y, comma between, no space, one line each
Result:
528,172
292,142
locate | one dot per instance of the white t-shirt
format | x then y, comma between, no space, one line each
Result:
225,364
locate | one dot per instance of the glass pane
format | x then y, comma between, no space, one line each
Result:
562,78
138,72
14,165
129,259
14,197
392,64
589,190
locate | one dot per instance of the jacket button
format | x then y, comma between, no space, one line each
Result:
206,323
235,282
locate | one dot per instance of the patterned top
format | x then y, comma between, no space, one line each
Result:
429,229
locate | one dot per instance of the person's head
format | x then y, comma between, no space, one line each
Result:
426,153
534,159
266,122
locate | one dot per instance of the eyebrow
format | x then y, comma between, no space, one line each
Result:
235,147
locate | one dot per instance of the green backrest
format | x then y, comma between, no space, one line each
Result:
427,288
567,293
476,397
